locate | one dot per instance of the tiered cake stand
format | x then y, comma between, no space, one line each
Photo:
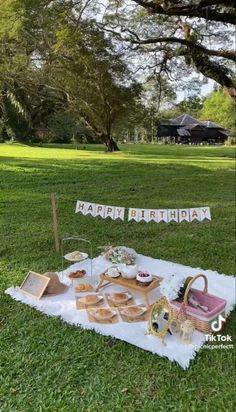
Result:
84,256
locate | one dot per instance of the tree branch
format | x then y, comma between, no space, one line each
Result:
202,11
216,72
227,54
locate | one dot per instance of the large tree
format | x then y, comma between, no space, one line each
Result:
52,57
95,79
27,96
180,35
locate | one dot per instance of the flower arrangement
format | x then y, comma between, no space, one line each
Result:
119,254
173,286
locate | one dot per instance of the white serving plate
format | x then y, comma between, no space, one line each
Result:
71,259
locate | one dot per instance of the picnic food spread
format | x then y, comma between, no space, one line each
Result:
180,310
145,280
173,322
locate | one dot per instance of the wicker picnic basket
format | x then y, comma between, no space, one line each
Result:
201,320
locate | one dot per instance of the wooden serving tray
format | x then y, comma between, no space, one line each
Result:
129,284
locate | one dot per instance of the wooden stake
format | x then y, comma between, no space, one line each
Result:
55,225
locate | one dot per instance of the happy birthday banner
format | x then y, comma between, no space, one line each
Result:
148,215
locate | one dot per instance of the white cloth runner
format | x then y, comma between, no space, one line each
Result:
134,333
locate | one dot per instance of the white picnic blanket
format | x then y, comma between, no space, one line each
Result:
134,333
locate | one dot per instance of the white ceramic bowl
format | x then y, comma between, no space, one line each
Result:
144,279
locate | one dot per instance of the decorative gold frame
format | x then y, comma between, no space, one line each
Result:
163,303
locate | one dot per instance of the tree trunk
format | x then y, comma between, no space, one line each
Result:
111,144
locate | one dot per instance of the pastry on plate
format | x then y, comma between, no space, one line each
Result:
90,299
83,287
76,255
103,313
77,274
133,311
120,297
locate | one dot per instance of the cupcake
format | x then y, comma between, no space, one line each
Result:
143,278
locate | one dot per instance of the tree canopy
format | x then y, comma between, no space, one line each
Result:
219,107
179,36
52,59
110,67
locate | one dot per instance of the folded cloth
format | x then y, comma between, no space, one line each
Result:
54,287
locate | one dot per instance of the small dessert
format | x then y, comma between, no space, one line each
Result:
133,311
76,255
143,278
119,297
77,274
90,299
103,314
83,287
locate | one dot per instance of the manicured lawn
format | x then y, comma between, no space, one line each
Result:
47,365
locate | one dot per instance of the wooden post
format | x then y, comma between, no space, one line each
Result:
55,225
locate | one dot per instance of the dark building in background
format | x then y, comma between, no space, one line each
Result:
186,129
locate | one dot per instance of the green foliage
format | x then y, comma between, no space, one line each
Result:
13,122
10,22
192,106
219,108
65,127
141,121
56,64
62,126
3,135
61,64
231,141
94,78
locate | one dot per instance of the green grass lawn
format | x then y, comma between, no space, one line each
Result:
47,365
